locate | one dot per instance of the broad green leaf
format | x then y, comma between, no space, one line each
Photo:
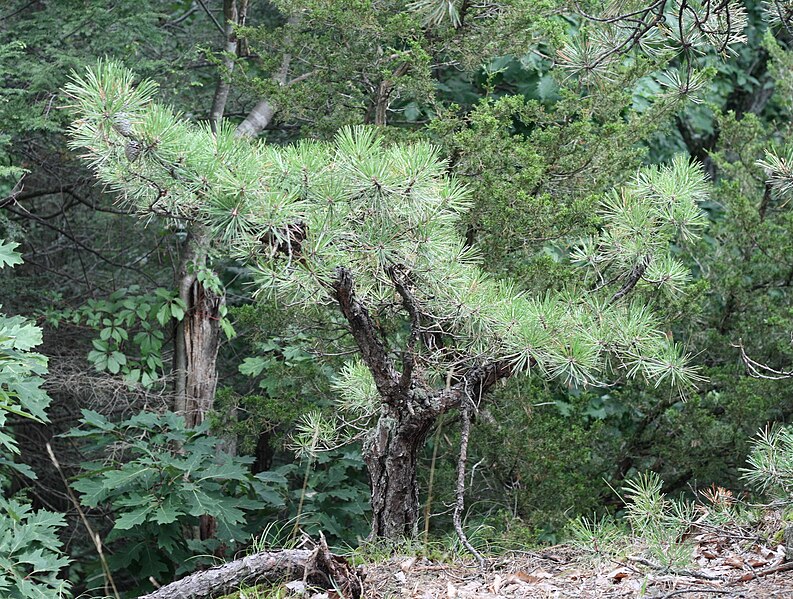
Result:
133,518
8,255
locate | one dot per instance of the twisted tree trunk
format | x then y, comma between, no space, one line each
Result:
409,409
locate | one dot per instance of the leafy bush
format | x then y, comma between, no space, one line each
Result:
334,498
159,478
20,369
30,551
129,340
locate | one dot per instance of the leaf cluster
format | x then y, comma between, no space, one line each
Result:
21,369
158,478
30,552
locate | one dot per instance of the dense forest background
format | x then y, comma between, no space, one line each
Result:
120,316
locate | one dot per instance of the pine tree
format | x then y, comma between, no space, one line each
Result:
370,230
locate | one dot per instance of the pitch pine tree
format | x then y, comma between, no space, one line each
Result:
370,230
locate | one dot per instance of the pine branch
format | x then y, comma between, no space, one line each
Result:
474,383
411,305
366,335
634,277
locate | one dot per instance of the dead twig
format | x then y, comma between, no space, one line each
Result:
773,570
700,590
465,432
94,535
675,571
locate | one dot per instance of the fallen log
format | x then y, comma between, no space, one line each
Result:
317,567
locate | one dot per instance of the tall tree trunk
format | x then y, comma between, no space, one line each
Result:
197,344
197,335
391,455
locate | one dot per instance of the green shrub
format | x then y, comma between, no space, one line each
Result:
30,552
158,478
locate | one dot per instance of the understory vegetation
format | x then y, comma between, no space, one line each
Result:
440,279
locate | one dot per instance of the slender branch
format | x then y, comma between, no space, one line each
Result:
69,190
234,14
698,590
635,276
474,383
773,570
94,535
76,241
465,433
759,370
211,16
177,20
15,193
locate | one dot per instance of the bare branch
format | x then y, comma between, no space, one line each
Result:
635,276
473,384
759,370
410,304
465,433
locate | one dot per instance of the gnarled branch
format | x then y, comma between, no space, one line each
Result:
365,332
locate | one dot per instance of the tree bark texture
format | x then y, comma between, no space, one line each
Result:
198,334
202,341
317,567
391,455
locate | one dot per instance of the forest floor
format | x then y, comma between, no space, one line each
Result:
560,572
732,562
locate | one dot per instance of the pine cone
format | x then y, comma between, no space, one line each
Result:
122,124
132,150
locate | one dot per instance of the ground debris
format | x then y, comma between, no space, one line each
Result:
721,568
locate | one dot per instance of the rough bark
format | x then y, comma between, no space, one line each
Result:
391,451
383,96
202,341
409,408
391,454
196,347
198,334
367,337
318,567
